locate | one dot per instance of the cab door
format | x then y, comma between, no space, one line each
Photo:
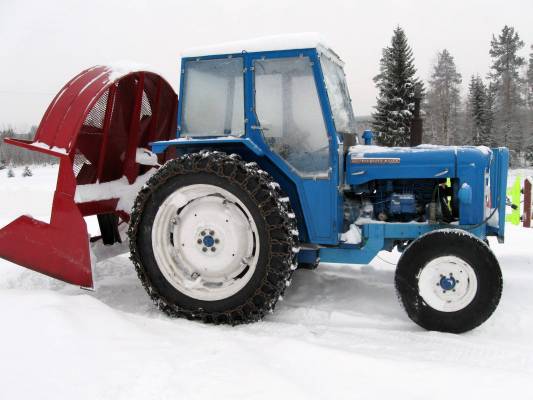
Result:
287,117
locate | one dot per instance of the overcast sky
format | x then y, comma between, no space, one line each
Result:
45,43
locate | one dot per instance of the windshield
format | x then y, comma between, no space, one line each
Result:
339,97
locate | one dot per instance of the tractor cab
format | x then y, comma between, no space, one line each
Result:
296,99
287,100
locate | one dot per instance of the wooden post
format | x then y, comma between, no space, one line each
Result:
527,204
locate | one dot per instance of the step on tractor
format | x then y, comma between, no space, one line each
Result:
256,171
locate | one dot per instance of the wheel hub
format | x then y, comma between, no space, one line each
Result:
208,241
447,283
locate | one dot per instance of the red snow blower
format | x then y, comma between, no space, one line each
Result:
95,126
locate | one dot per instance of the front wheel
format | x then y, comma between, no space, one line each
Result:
211,239
449,281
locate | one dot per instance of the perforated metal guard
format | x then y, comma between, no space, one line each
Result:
96,116
79,162
146,108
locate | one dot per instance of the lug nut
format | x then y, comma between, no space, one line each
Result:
202,233
211,233
213,248
199,241
204,249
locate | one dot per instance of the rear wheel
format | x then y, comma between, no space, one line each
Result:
212,240
449,281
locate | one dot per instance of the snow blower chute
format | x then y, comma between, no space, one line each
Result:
97,126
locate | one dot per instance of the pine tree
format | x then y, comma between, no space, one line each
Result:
490,110
479,113
529,99
10,173
396,84
27,172
530,80
475,109
507,86
443,100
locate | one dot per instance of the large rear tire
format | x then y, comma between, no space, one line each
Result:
449,281
212,239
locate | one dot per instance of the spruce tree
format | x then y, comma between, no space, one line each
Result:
506,64
10,173
529,98
530,80
396,84
27,172
444,100
490,105
478,112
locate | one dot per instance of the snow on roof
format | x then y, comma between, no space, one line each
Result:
118,69
306,40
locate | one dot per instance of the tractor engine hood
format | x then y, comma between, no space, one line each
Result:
365,163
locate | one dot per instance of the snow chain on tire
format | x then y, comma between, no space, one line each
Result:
273,206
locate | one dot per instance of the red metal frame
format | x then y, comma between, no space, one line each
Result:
61,248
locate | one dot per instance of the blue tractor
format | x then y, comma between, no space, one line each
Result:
258,174
269,177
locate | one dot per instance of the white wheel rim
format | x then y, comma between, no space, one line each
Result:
205,242
447,284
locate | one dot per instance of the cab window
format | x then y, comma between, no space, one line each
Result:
289,114
213,102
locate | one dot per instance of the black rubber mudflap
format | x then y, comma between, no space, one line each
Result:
109,228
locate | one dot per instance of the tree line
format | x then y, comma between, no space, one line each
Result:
496,111
15,156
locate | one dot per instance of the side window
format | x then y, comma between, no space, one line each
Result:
214,98
289,112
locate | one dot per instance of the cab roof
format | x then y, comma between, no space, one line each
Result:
308,40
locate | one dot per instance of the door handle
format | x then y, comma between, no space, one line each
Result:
359,173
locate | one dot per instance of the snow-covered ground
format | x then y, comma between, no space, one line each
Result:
339,334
